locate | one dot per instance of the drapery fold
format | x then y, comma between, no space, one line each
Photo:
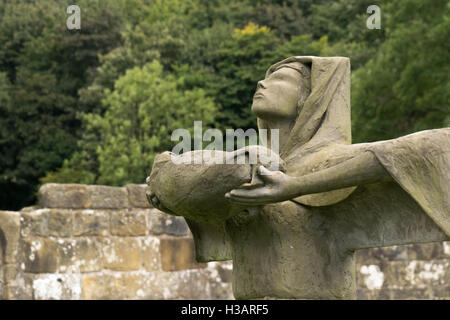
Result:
420,164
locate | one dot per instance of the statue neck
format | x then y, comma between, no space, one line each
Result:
284,126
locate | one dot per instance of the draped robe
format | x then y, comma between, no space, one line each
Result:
304,247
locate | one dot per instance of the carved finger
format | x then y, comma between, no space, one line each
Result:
256,179
265,175
249,186
256,193
248,201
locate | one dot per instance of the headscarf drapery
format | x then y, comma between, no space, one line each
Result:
420,164
321,138
323,121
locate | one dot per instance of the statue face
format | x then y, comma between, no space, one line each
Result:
276,97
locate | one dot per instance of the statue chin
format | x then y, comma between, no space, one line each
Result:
262,110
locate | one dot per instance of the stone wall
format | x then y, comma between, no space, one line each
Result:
9,249
98,242
418,271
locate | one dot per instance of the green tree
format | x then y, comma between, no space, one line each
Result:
45,65
51,78
141,112
239,67
405,87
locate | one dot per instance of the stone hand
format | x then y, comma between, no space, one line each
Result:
266,187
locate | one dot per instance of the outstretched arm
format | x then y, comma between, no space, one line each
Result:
277,186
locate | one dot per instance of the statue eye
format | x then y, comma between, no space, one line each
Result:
277,77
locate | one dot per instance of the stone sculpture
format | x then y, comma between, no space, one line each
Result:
292,233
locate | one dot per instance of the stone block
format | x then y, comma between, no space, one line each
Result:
417,274
426,251
127,285
102,287
90,223
136,196
162,223
362,294
39,255
88,255
442,292
57,287
225,270
54,195
148,285
374,294
104,197
446,248
151,258
65,255
136,286
34,223
129,222
220,291
189,284
60,223
10,272
30,208
186,284
410,294
377,255
2,284
9,235
220,280
121,254
371,276
21,289
404,293
145,285
46,255
178,254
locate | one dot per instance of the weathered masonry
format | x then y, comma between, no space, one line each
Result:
98,242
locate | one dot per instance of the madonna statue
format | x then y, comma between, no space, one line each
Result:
292,233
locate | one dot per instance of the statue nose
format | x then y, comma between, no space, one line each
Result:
260,85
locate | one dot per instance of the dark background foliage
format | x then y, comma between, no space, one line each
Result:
61,90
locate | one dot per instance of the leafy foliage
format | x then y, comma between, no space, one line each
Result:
405,87
43,66
95,105
142,110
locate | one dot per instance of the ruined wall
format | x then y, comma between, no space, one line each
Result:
9,245
418,271
98,242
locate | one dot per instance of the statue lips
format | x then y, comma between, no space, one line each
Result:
258,95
